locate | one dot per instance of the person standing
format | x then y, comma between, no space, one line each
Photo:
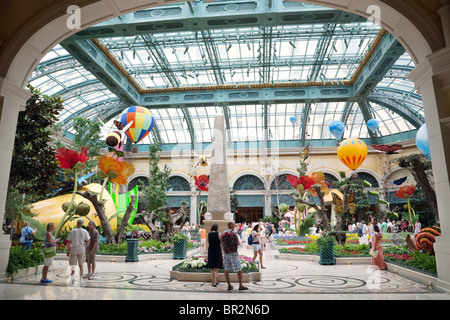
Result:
417,227
232,261
92,249
77,242
256,245
376,245
50,242
202,232
26,238
215,261
384,227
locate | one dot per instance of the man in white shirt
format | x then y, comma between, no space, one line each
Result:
77,241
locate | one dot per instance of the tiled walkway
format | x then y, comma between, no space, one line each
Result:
283,279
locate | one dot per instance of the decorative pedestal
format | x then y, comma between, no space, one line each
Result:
132,246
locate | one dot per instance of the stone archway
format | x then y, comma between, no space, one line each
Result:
429,48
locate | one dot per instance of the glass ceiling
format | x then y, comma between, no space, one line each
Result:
327,53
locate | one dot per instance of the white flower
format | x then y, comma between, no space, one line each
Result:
194,264
243,266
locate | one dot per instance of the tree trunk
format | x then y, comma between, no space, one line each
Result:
321,211
172,218
125,219
418,169
100,209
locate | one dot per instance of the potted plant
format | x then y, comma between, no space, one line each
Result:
179,245
326,249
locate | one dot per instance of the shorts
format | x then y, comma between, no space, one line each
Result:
232,262
48,262
202,241
256,247
90,257
77,258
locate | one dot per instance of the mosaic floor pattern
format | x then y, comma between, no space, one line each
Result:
282,277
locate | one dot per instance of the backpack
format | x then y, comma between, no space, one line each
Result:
229,242
250,240
360,233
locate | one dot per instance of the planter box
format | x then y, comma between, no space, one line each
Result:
206,276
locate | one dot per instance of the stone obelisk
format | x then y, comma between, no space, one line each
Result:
219,209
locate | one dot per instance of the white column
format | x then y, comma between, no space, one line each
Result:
12,100
193,208
267,204
432,79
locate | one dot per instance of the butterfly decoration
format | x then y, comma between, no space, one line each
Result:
399,181
305,153
339,203
384,148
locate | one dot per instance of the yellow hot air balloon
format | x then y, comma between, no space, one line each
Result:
352,152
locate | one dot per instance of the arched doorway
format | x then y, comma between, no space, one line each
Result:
428,46
249,190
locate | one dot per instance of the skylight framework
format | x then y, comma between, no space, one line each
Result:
260,67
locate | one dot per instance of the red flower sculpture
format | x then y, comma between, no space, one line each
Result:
306,181
405,192
68,158
202,182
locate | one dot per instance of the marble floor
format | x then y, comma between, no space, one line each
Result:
282,280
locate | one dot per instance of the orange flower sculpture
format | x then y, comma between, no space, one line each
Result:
319,178
115,170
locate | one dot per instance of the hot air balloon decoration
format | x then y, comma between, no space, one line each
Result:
143,122
373,125
337,129
293,120
352,152
422,141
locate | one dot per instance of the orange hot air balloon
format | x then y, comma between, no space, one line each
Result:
352,152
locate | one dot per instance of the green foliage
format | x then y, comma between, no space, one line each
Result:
154,193
179,237
19,258
33,165
18,204
87,134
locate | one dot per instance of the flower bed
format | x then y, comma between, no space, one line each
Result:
418,261
346,250
200,264
144,247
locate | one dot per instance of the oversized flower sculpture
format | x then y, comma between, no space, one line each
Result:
202,184
406,192
114,170
306,186
73,161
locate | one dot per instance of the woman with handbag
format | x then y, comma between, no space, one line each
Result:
49,251
377,250
27,236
